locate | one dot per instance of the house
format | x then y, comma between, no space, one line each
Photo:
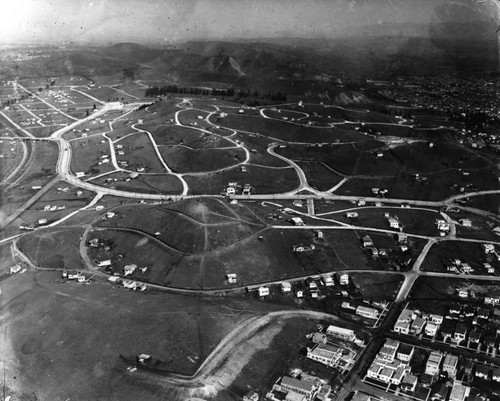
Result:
352,215
344,279
482,371
496,374
110,215
417,326
455,309
230,191
319,338
405,316
465,222
385,375
129,284
405,352
327,281
370,313
114,280
488,248
409,383
402,327
459,392
475,335
299,290
433,364
298,221
311,283
448,328
231,278
441,393
285,287
431,329
436,319
326,354
367,241
129,269
466,268
468,310
399,374
263,291
393,223
251,395
450,365
483,313
341,332
289,384
489,268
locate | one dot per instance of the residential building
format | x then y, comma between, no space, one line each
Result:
289,384
450,365
475,335
402,327
433,364
409,383
251,396
263,291
460,332
343,333
405,352
327,280
326,354
393,223
367,241
436,319
448,328
459,392
232,278
285,286
496,374
417,326
367,312
431,329
482,371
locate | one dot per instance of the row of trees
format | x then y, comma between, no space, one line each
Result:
238,95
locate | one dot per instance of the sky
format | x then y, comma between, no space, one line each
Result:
173,20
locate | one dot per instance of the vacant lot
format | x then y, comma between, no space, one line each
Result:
86,327
145,183
139,152
284,131
106,93
53,247
171,134
263,180
377,286
439,186
86,154
490,203
445,288
185,160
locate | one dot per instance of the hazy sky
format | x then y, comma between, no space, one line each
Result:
168,20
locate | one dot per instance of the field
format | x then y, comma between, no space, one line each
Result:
139,152
53,248
11,154
176,135
145,183
490,203
284,131
438,187
93,324
86,154
445,288
185,160
263,180
377,287
107,94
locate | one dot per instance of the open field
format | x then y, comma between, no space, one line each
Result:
414,221
467,252
445,288
263,180
284,131
490,203
55,248
11,152
145,183
319,176
377,287
176,135
93,324
86,154
139,152
438,187
185,160
106,94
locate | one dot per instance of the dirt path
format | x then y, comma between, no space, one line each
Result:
225,362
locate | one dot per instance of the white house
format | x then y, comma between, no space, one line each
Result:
129,269
285,286
341,332
327,281
263,291
370,313
232,278
104,263
393,223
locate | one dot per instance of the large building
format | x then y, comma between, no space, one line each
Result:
345,334
433,364
326,354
